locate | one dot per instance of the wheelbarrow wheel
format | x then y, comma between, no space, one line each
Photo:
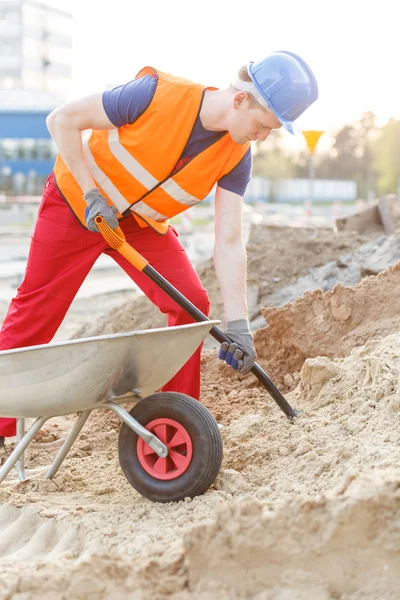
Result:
194,443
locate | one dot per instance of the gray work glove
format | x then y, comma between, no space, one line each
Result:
240,354
97,206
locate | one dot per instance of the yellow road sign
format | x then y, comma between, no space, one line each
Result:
312,138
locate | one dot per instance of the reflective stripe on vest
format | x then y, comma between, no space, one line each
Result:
138,172
103,181
143,209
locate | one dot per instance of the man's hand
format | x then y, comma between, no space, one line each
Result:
240,354
97,206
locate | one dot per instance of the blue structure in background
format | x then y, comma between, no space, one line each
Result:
21,124
26,149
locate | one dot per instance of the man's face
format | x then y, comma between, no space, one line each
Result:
249,121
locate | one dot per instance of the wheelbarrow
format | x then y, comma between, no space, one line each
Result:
169,445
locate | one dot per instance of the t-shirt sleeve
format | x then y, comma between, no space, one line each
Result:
237,180
125,103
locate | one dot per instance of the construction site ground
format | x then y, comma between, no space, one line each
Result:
300,510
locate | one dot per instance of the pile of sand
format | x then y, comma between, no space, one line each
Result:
369,259
329,324
277,256
283,264
301,510
338,545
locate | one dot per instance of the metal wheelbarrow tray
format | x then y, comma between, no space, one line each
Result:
170,446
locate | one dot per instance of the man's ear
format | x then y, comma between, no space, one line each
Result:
239,99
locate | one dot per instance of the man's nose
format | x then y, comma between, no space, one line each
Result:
263,135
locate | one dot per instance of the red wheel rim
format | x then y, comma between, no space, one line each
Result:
180,450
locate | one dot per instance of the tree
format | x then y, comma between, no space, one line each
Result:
368,133
351,156
386,152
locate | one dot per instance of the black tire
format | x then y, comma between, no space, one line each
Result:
206,440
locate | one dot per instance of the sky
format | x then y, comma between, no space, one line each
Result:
352,46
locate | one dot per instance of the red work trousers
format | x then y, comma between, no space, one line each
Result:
61,254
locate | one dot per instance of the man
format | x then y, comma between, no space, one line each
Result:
157,146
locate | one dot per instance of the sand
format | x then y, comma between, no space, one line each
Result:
277,256
301,510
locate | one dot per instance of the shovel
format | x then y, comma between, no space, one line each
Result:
115,238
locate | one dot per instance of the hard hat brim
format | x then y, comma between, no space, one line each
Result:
290,126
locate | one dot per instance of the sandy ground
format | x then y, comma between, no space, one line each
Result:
277,257
301,510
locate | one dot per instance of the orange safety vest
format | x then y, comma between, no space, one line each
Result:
132,165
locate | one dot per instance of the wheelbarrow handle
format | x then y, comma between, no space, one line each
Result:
116,239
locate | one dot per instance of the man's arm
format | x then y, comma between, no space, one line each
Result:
230,265
230,253
66,124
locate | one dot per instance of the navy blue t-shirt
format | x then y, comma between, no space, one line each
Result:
125,103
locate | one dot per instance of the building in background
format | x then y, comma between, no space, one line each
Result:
35,77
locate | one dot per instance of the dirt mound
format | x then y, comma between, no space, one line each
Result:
329,324
303,549
370,259
319,548
134,314
276,256
349,423
227,394
300,510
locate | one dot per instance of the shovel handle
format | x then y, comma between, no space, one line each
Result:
116,239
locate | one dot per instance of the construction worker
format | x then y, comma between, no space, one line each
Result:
156,146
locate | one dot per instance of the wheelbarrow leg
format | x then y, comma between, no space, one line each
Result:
21,447
20,466
141,431
65,448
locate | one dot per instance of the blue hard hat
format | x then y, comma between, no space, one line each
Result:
286,83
